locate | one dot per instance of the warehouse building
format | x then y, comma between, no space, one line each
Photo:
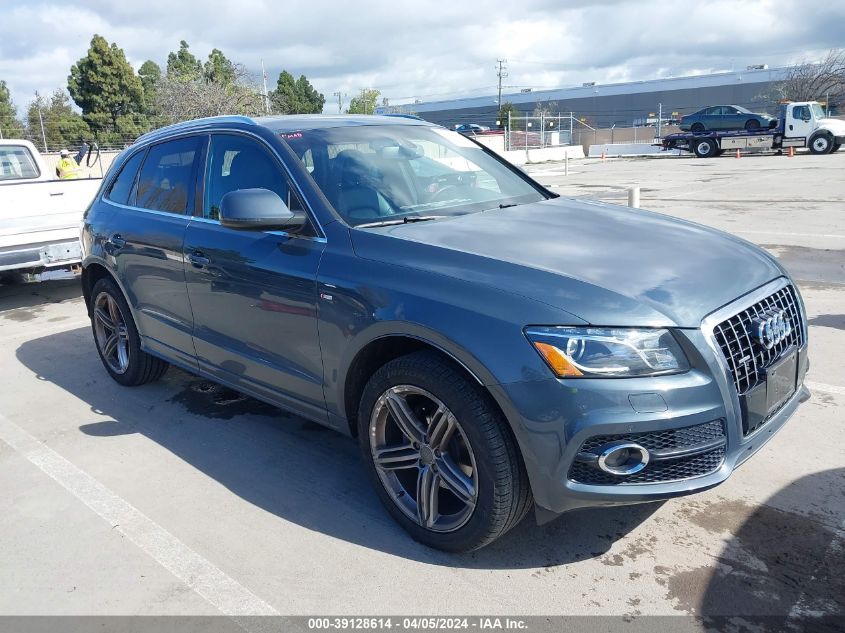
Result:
620,104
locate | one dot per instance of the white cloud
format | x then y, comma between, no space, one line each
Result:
426,49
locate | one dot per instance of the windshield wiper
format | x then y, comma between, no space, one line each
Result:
506,206
405,220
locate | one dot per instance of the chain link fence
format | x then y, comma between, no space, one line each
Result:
538,132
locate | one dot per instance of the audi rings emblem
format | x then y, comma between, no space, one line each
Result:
771,328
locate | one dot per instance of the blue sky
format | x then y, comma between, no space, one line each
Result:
422,49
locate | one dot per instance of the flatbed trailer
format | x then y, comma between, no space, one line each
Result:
800,125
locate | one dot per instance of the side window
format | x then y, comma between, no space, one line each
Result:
16,162
167,177
236,162
121,190
800,112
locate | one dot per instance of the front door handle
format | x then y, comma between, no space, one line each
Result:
116,242
198,260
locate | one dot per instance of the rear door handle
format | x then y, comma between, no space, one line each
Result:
198,260
116,242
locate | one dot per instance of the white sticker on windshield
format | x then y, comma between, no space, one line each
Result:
454,138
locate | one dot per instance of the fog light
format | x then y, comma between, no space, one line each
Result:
623,459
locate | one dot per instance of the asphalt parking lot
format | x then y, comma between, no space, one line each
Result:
180,497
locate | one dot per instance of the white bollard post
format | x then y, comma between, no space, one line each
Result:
634,197
566,164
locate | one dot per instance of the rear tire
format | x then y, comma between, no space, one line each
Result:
697,128
493,482
705,148
821,143
752,124
117,340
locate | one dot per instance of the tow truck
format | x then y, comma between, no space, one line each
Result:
800,124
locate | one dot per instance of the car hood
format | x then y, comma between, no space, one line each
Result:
605,264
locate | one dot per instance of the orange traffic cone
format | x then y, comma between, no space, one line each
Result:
602,154
738,155
791,152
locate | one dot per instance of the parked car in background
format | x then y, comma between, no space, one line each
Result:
472,129
492,345
725,117
39,214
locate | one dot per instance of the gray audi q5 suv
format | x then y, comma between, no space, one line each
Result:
492,346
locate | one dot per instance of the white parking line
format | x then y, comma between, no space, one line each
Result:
820,386
219,589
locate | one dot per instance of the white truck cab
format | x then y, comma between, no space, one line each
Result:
39,215
808,122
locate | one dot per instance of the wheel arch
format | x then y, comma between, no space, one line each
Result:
383,348
92,272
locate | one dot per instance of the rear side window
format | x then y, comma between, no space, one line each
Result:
121,190
167,177
16,163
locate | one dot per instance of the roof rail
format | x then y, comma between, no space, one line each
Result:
186,126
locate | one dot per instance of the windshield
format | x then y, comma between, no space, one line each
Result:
818,113
374,173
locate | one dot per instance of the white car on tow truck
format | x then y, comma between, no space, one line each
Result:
39,215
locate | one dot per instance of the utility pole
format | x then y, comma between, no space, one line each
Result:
659,118
41,120
501,73
266,96
339,96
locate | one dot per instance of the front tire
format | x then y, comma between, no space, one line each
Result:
440,454
752,124
117,340
697,128
821,143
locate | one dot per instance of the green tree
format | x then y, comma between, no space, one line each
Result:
150,75
365,103
219,69
10,126
105,86
507,108
63,126
183,65
296,96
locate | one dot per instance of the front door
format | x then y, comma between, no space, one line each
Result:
253,293
151,214
799,121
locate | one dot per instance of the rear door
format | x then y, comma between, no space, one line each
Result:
147,230
254,293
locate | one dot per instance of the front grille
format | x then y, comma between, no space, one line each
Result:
665,470
747,358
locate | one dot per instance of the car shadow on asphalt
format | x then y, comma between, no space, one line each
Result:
781,567
290,467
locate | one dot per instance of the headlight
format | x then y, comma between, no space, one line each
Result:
587,352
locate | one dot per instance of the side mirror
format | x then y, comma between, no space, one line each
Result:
258,210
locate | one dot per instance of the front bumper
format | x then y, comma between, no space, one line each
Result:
552,419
